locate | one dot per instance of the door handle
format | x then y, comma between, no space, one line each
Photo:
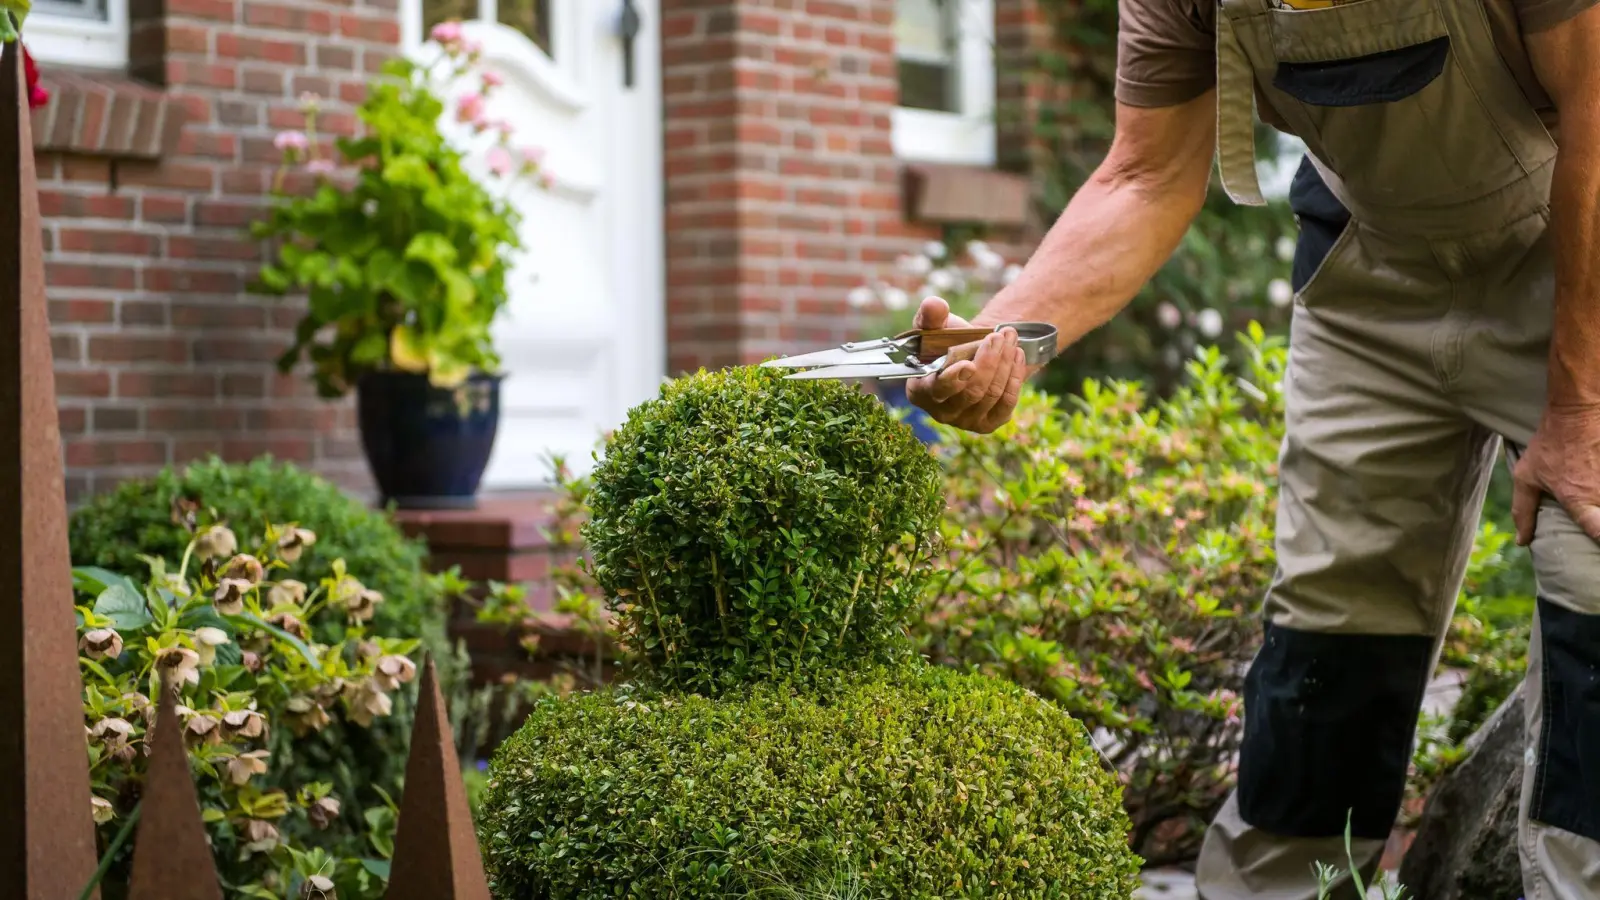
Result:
628,27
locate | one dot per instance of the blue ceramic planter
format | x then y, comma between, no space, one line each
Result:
427,446
893,395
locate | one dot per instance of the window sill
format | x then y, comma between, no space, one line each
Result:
104,114
944,194
923,136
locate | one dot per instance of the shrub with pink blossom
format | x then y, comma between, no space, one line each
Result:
402,252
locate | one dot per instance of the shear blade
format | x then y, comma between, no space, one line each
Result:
838,356
857,373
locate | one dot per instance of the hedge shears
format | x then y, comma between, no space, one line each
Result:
913,354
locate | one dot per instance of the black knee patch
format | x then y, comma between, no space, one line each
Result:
1330,720
1566,792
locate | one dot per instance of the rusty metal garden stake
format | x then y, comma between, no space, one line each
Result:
435,848
171,856
47,844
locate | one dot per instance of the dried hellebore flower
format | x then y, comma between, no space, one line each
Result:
363,605
366,702
229,596
209,639
216,541
317,887
251,661
101,810
287,593
244,567
177,665
305,715
113,734
323,813
247,765
139,703
293,542
245,723
393,671
260,835
291,624
202,729
101,643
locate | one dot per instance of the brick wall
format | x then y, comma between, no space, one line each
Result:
162,354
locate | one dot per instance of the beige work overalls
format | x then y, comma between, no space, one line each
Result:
1419,341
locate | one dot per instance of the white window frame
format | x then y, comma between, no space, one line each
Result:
966,137
54,37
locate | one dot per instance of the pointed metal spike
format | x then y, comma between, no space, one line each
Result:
171,855
435,848
47,840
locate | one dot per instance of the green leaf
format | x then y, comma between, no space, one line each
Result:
124,606
434,249
378,867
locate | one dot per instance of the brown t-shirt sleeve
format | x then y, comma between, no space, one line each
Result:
1538,15
1167,50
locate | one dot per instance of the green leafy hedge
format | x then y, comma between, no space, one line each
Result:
746,526
906,783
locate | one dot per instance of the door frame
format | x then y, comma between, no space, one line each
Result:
636,202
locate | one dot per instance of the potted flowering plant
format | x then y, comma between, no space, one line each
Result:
403,255
966,281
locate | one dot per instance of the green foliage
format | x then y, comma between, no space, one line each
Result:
908,783
406,267
1228,270
236,637
157,518
1111,553
743,526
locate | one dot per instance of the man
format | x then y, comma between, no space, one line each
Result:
1447,296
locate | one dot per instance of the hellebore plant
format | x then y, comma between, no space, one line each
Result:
404,264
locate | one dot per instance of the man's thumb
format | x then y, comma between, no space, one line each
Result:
1525,499
931,313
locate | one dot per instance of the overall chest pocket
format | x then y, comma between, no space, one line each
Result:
1387,104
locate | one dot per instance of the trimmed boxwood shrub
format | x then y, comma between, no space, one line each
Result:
743,526
917,783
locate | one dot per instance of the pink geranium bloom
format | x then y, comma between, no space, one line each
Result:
470,108
291,140
492,80
500,162
533,155
447,32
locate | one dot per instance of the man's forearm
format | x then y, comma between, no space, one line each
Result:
1114,235
1575,235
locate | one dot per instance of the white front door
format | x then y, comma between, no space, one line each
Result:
583,338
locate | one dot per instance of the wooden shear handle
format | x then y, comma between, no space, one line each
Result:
949,341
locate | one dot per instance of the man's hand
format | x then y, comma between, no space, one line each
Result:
977,395
1562,460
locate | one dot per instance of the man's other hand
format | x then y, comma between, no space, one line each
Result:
976,395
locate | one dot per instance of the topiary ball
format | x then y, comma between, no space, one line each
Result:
744,527
917,783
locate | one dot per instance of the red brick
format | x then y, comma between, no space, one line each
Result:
213,248
192,73
99,451
66,348
83,383
286,449
84,312
127,348
228,213
89,275
188,279
108,242
84,168
164,208
193,417
191,450
116,418
289,18
64,205
183,38
214,10
163,174
143,313
73,419
155,385
264,348
237,46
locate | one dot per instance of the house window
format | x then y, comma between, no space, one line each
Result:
91,33
945,54
531,17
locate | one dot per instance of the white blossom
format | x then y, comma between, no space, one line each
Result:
896,299
915,264
934,250
861,298
1013,272
942,280
1285,248
1209,322
1279,293
1169,316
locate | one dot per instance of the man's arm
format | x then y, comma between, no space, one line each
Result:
1119,228
1563,459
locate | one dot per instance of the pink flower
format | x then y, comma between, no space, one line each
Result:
320,167
492,80
504,127
532,155
546,182
471,48
291,140
470,108
500,162
446,32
